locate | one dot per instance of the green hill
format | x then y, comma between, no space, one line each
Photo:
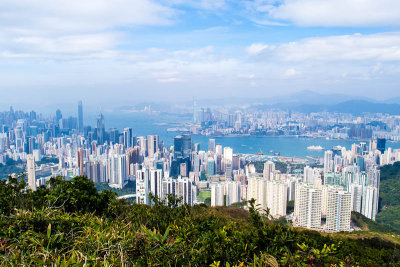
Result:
71,223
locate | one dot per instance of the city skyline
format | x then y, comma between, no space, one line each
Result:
176,50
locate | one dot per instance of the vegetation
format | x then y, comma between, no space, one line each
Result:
389,195
280,166
71,223
11,166
129,188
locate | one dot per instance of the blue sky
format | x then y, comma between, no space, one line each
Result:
122,52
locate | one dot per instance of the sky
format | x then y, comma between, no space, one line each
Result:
121,52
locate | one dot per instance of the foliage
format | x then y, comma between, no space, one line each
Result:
280,166
369,225
129,188
389,194
70,223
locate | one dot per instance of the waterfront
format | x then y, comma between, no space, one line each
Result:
143,124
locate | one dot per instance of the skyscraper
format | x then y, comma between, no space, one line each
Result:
381,144
128,137
30,166
101,129
269,169
211,145
152,145
79,158
80,117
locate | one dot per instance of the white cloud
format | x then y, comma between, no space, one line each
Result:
330,12
47,16
255,49
357,47
290,73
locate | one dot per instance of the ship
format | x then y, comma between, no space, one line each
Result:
315,148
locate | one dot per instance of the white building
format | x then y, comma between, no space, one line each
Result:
30,166
307,207
217,194
338,215
276,198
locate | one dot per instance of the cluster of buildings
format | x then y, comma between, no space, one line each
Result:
323,196
222,121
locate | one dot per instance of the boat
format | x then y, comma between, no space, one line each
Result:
260,153
315,148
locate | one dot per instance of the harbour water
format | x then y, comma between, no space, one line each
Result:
143,124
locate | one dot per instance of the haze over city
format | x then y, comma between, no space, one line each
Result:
123,52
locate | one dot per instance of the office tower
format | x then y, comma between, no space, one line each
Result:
210,166
233,192
80,117
142,186
338,214
381,144
155,182
30,166
307,207
228,154
114,136
328,161
276,193
217,194
178,146
218,149
101,130
142,142
152,145
79,158
211,145
269,170
128,137
370,198
186,145
58,116
235,162
218,164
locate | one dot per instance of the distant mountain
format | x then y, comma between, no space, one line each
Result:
395,100
355,107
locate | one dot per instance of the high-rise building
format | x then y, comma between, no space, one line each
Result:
128,136
217,194
328,161
30,166
338,214
233,192
155,182
381,144
152,145
210,167
101,130
276,193
211,145
307,207
80,117
142,186
184,190
269,169
370,198
79,158
218,149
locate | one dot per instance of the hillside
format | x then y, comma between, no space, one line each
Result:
389,196
69,222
